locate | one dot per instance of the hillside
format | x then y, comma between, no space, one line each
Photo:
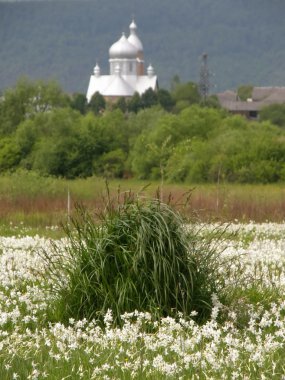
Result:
63,39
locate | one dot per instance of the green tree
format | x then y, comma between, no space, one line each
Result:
275,113
186,94
25,138
192,122
60,147
110,164
10,154
165,99
244,91
97,104
121,104
197,121
27,99
149,98
79,102
211,101
107,141
135,103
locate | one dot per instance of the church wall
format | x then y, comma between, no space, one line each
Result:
127,66
140,68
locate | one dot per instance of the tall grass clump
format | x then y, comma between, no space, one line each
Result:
139,256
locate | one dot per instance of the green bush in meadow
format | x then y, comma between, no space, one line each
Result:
138,257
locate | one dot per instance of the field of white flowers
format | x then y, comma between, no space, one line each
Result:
243,341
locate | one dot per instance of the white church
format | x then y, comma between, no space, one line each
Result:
127,73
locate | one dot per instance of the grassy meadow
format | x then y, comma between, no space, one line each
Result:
37,202
242,336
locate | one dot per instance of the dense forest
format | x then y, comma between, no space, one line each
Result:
174,136
62,39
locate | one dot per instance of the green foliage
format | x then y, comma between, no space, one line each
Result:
244,92
211,101
138,258
165,99
64,143
192,122
208,146
58,149
97,104
240,297
78,102
135,104
26,100
42,130
9,154
186,94
275,113
121,104
188,162
111,164
149,98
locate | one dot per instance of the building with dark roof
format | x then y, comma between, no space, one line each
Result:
261,97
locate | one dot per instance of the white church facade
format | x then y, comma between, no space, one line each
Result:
127,73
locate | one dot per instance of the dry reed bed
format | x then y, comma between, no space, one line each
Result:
206,206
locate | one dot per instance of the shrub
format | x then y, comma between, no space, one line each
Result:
139,257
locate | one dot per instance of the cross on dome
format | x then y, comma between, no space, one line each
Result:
133,38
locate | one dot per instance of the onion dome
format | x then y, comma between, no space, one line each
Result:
97,70
133,38
123,49
150,71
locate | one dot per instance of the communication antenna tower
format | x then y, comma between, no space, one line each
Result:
204,82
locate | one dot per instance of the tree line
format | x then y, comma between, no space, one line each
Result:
173,135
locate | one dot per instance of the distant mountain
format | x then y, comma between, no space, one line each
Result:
62,39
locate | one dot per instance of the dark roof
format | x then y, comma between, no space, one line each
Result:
269,94
261,97
227,96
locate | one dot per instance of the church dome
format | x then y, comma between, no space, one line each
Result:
133,38
123,49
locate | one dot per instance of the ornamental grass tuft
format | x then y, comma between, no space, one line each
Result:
139,256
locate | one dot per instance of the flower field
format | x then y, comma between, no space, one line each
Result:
243,339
